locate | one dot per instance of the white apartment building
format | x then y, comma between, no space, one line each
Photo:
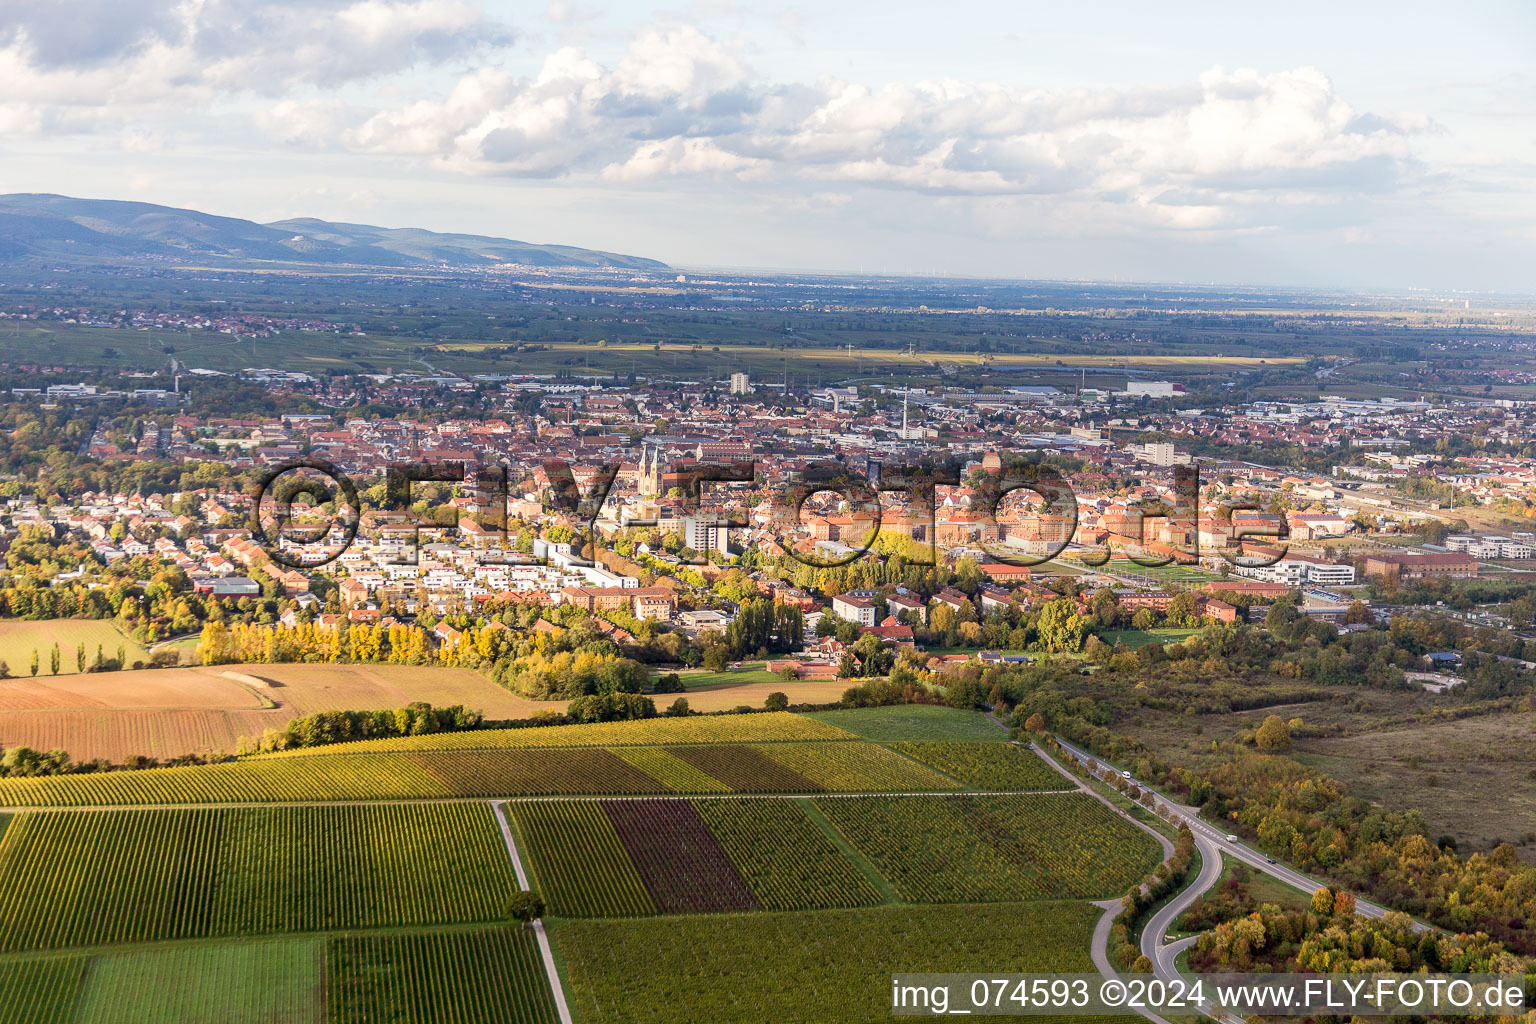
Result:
1492,547
854,609
1296,571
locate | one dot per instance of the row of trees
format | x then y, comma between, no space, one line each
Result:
327,727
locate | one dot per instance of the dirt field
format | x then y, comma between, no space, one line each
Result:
166,712
176,711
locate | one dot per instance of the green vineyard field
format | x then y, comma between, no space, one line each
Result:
100,877
254,781
768,727
487,976
806,967
671,771
579,864
477,975
787,860
787,766
979,849
855,767
575,772
746,769
912,722
994,766
40,991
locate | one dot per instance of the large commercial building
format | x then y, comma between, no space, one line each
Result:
1457,565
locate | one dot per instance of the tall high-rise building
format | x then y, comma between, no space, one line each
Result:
707,533
740,385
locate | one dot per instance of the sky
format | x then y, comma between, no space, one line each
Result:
1364,145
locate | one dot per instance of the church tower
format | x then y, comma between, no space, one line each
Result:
650,471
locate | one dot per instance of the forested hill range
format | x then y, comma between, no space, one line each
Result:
51,229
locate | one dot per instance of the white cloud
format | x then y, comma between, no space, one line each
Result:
72,65
1228,150
1224,151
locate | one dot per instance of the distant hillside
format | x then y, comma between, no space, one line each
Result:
40,227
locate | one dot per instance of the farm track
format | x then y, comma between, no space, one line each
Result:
546,951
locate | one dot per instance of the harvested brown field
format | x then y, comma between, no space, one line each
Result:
119,733
168,712
150,688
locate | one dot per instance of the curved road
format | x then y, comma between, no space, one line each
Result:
1255,859
1213,845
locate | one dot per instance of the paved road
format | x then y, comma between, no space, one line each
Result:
1100,950
1152,936
1255,859
1213,845
1099,947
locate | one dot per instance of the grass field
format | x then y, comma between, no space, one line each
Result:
832,965
724,698
1134,638
242,983
20,637
912,722
441,976
1182,574
104,877
749,673
1456,772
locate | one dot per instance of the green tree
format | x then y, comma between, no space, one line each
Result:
1061,628
525,906
776,701
53,660
1184,610
34,661
1274,734
80,657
